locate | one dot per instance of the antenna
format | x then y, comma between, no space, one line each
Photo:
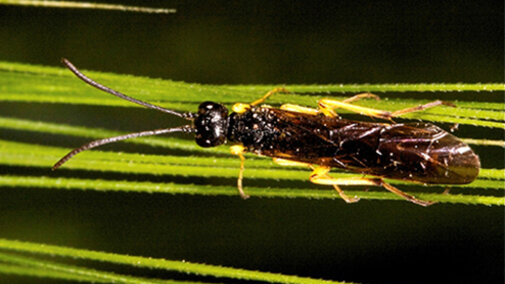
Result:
80,75
96,143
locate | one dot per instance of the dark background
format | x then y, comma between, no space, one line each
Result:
261,42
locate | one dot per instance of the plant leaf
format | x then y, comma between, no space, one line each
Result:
24,265
85,5
154,263
55,87
177,188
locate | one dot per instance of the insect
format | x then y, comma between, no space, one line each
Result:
294,135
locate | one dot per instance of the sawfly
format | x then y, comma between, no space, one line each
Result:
294,135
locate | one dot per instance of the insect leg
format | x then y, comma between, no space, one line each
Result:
272,92
241,107
361,96
405,195
239,150
421,107
326,106
289,163
320,176
301,109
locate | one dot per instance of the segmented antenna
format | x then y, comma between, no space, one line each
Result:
96,143
185,115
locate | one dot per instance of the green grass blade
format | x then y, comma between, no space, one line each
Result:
44,268
54,85
86,5
231,190
484,142
10,269
382,88
154,263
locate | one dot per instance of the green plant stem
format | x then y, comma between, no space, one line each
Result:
10,269
85,5
155,263
53,85
173,188
44,268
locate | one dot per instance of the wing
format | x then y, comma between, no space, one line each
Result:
418,152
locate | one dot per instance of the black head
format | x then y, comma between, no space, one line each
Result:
211,124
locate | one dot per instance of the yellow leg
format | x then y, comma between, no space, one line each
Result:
239,150
272,92
241,107
301,109
320,176
327,106
421,107
361,96
289,163
405,195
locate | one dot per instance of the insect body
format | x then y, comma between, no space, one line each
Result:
319,139
418,152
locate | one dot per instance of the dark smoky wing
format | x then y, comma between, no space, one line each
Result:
426,153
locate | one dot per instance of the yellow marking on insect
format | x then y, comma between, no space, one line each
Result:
237,149
240,107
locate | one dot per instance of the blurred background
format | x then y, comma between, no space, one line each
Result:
261,42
